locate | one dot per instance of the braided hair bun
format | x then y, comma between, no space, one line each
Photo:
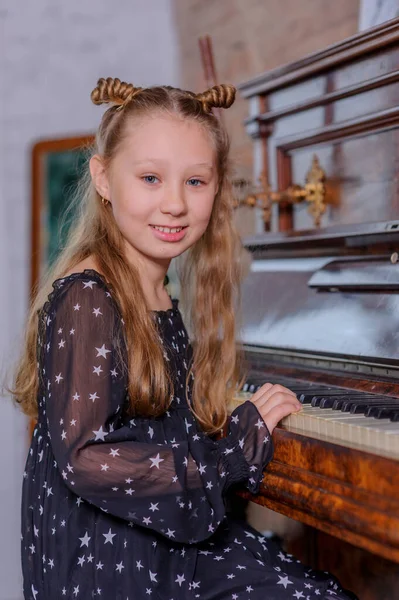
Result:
218,96
113,90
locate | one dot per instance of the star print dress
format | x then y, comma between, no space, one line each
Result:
120,508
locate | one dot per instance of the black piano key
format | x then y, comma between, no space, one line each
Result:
384,413
337,404
364,407
349,403
359,408
327,402
316,401
307,398
378,410
388,414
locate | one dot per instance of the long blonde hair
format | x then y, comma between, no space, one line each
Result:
211,270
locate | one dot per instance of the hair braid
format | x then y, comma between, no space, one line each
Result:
113,90
218,96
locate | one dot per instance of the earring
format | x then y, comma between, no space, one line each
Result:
104,201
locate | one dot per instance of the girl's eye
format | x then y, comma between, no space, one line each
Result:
196,181
149,178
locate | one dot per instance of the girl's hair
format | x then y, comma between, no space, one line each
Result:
211,272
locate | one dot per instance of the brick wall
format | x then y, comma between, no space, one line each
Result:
252,36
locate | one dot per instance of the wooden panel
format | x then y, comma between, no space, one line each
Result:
368,575
345,493
341,103
366,67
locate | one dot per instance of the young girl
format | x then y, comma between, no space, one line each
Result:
125,486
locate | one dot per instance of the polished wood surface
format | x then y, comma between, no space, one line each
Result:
346,493
342,104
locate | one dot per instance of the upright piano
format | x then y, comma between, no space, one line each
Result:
321,316
320,301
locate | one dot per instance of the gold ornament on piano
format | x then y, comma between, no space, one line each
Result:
313,192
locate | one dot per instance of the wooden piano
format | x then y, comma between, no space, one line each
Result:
321,301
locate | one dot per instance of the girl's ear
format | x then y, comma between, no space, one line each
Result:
99,176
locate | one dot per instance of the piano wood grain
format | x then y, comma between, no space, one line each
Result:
349,494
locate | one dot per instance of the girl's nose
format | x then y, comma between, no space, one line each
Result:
174,203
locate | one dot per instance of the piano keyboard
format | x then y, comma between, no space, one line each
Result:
364,421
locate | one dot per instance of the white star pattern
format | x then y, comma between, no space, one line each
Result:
102,351
284,581
109,537
118,484
100,434
156,461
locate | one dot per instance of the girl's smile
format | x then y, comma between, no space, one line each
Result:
169,234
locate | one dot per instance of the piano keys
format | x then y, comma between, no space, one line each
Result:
353,419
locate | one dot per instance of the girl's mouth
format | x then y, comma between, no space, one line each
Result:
169,234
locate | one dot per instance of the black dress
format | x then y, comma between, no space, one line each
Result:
117,508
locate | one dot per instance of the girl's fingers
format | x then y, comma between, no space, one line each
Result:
282,388
261,391
277,413
271,391
276,399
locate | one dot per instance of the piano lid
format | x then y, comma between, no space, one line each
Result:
327,306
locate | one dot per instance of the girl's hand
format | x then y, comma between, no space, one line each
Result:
274,402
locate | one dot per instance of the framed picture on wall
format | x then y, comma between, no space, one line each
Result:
56,168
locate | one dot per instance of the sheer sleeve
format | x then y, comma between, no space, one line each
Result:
176,489
248,439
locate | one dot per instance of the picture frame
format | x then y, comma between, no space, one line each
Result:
56,168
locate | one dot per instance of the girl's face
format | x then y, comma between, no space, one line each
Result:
161,183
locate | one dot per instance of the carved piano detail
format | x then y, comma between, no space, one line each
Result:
313,192
321,304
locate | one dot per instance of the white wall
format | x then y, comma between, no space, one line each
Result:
374,12
51,55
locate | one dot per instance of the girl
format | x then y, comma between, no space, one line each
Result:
125,485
